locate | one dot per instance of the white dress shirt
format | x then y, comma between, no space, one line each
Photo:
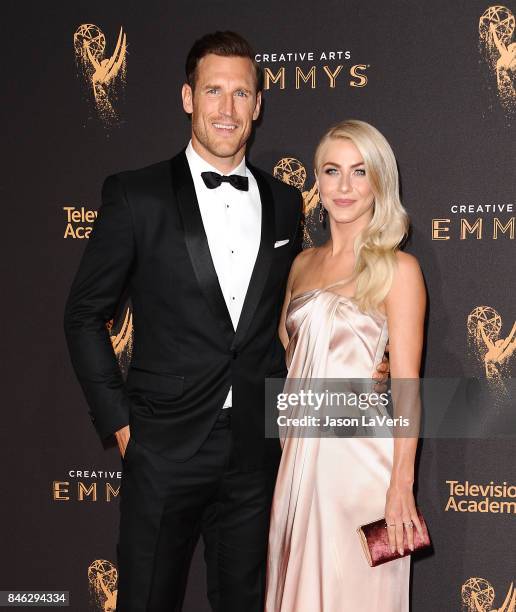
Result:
232,222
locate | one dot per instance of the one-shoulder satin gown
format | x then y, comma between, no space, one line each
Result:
327,487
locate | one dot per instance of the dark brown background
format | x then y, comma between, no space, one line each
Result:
429,91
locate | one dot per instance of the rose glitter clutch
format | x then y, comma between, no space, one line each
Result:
375,541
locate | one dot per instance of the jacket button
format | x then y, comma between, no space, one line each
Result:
234,354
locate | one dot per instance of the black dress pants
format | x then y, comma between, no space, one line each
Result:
166,505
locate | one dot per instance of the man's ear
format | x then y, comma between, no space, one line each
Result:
258,106
187,95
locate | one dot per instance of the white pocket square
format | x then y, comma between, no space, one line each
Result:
280,243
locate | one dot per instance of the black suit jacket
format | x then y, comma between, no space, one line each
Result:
149,240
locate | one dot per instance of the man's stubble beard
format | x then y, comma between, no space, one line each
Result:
219,149
214,147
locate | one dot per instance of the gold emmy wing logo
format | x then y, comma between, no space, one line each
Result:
104,75
484,326
496,29
121,334
292,172
478,595
103,578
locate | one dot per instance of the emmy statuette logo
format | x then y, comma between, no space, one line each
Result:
103,76
484,326
103,578
292,172
496,29
478,595
122,335
121,331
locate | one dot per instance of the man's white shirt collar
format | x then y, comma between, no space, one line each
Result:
199,164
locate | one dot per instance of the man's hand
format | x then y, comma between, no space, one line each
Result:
381,375
122,437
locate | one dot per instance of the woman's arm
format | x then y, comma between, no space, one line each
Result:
405,307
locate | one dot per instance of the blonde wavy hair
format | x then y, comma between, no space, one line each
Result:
375,248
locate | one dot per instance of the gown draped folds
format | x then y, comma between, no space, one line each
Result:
328,486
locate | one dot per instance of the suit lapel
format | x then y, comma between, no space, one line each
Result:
197,242
263,259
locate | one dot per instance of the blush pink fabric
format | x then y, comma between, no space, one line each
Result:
327,487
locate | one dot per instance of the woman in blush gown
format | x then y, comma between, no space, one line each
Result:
344,301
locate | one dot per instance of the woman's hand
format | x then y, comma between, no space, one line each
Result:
401,515
405,306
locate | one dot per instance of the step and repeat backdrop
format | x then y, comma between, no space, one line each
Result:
93,88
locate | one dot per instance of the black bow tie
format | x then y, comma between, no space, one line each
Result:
213,180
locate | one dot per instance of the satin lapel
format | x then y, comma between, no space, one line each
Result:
197,243
263,260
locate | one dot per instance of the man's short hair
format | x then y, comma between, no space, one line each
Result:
225,44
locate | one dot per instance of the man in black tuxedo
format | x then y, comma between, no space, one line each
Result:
203,243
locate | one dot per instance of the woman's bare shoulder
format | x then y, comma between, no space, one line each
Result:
302,261
408,277
407,266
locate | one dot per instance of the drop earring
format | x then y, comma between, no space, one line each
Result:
322,212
